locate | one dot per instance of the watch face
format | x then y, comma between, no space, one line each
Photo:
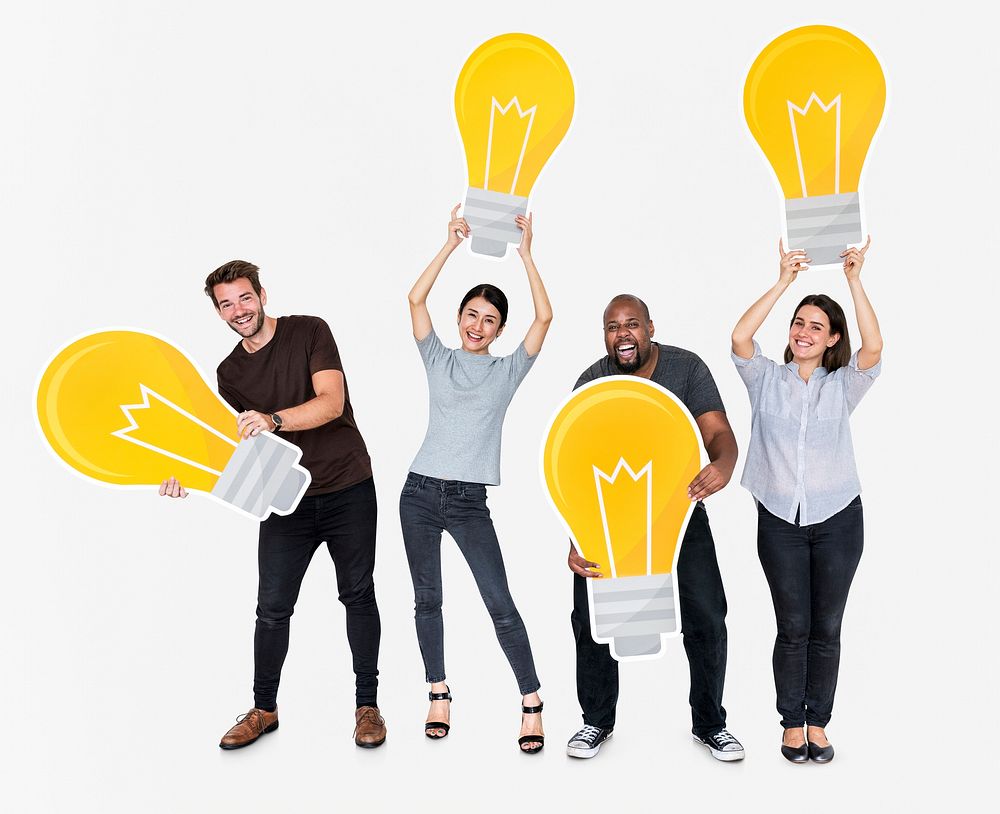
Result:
277,420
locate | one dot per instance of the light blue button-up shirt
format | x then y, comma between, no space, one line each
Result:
801,458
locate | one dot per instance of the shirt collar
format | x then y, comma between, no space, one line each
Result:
794,368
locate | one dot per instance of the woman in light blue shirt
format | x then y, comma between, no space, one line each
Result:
800,469
446,488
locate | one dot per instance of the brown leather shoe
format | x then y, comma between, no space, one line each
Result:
249,726
369,731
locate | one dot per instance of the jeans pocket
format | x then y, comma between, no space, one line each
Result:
474,491
411,485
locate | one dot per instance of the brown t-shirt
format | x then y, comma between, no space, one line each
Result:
279,376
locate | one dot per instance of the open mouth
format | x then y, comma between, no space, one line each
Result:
243,320
474,337
626,351
804,345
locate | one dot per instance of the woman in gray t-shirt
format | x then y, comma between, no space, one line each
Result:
800,470
446,487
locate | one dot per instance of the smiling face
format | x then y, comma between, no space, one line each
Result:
809,336
627,334
478,325
240,307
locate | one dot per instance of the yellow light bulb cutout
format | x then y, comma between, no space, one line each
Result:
127,408
514,103
617,459
813,101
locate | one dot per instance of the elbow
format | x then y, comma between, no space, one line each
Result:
544,318
414,300
335,409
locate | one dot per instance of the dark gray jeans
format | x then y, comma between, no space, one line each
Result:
809,570
427,507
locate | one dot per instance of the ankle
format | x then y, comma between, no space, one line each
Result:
532,699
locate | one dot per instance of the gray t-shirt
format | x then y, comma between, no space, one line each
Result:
681,372
469,395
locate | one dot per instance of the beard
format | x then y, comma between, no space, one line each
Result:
257,325
628,367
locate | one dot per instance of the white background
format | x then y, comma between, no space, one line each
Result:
143,144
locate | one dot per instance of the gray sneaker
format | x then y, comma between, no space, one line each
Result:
587,742
722,745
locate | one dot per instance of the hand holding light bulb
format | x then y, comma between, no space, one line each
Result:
122,407
813,101
513,103
619,459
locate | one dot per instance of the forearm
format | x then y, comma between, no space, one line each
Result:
539,297
422,287
543,309
751,321
723,452
314,413
871,335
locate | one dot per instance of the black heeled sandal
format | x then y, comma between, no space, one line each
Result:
438,696
539,739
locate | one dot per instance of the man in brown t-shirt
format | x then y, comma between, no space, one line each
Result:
285,376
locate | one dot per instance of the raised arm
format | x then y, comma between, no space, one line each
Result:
419,315
871,337
543,309
792,262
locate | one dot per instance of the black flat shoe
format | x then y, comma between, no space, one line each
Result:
526,740
431,725
820,754
796,754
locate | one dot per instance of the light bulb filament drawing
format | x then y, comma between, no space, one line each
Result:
178,426
804,111
602,448
134,426
514,103
828,87
646,475
530,115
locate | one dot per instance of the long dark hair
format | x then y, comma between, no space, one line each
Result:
493,295
840,354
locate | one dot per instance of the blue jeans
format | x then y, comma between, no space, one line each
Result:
809,570
427,507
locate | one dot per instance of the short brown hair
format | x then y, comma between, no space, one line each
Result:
233,270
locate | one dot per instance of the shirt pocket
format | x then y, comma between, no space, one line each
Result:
777,400
831,402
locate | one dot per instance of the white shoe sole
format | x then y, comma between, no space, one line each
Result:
577,751
724,756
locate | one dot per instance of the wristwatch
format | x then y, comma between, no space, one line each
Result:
276,419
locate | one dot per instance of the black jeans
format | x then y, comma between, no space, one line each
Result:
703,619
345,521
427,507
809,569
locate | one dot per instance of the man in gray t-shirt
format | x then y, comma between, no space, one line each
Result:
628,333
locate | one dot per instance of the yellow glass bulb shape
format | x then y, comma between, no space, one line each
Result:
514,103
617,460
127,408
813,101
